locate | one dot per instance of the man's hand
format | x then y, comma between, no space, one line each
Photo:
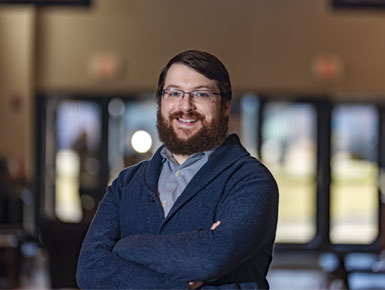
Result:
195,285
215,225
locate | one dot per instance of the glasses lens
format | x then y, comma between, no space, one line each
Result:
173,94
201,96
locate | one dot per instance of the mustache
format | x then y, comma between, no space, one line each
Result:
180,114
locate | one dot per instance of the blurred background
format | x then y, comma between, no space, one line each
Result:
77,105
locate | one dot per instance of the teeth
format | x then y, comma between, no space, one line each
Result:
186,121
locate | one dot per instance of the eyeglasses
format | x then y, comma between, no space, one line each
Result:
197,96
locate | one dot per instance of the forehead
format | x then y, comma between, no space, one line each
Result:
185,77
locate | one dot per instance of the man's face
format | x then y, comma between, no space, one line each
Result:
185,126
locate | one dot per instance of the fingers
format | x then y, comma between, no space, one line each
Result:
194,285
215,225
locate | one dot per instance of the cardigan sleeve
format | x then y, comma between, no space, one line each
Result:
248,215
100,268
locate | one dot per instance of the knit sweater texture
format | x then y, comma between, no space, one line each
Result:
132,245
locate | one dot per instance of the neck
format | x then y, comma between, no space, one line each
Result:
180,158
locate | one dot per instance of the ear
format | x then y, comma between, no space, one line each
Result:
227,108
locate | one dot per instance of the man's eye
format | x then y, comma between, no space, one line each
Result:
202,94
173,94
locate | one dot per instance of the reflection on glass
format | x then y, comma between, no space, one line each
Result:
354,171
124,125
78,166
289,150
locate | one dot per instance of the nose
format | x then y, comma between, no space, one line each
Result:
186,104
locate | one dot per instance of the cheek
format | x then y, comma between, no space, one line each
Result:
164,110
210,113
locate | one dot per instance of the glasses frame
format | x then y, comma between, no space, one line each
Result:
211,93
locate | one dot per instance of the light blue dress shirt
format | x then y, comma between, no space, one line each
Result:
174,178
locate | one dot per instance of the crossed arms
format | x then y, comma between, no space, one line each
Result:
172,261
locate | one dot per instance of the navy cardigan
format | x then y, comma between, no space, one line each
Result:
131,245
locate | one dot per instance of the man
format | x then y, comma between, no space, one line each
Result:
201,213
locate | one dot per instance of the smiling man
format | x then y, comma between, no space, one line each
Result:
194,123
202,213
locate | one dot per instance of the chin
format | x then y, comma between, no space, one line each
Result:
184,138
185,134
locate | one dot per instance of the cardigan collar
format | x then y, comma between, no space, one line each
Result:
226,155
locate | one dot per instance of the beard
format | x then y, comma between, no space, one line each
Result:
209,136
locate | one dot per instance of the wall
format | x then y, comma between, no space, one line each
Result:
17,86
266,45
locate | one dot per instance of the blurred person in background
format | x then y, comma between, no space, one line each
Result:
201,213
11,205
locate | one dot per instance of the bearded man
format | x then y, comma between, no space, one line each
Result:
202,213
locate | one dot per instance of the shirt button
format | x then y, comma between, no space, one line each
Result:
164,203
177,173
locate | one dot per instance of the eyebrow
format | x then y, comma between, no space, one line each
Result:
207,87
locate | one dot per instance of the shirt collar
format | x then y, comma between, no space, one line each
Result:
167,155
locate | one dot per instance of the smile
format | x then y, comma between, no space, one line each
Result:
187,120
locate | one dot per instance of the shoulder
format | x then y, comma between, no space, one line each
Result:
127,175
144,173
131,172
250,167
249,173
233,152
253,183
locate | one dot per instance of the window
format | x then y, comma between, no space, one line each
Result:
72,158
86,143
250,106
289,150
77,161
132,133
354,173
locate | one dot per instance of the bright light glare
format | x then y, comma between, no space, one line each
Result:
141,141
67,200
